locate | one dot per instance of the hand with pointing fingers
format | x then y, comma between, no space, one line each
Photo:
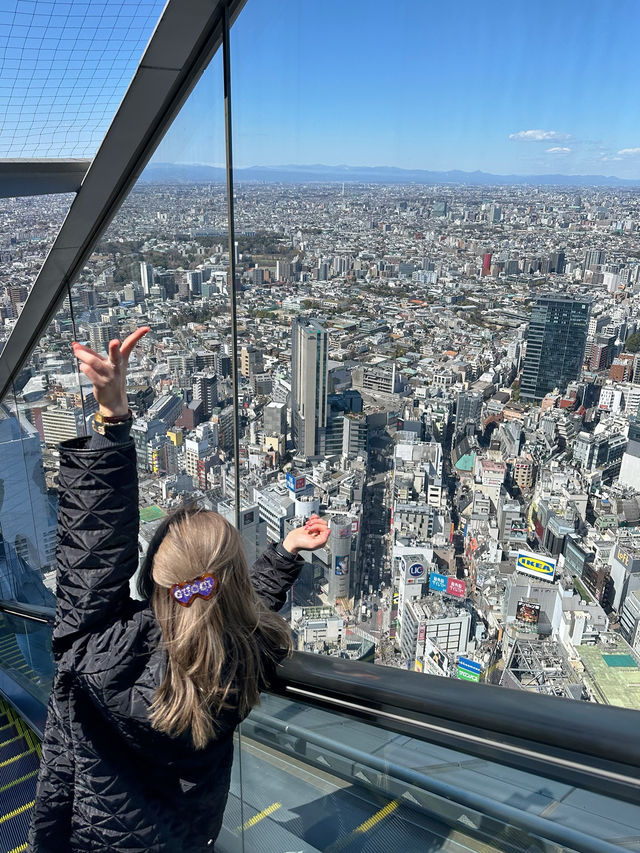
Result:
109,373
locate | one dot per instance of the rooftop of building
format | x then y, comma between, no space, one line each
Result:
612,671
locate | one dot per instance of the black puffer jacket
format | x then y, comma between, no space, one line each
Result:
108,781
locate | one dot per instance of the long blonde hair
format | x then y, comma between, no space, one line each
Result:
218,649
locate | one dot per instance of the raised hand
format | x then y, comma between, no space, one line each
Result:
312,536
109,373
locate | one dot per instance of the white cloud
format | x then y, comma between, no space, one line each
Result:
558,150
629,152
539,136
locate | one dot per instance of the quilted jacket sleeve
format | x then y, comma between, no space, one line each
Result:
272,574
97,546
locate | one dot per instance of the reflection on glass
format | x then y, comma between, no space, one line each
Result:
25,654
27,516
318,779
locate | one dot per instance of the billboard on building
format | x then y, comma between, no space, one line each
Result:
543,568
414,573
456,587
437,655
341,565
248,517
469,670
418,665
437,582
422,632
465,675
527,612
627,557
296,484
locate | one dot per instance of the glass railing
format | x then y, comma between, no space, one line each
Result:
26,661
315,780
345,756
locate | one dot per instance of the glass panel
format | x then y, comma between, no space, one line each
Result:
45,407
28,227
316,781
392,325
163,262
25,654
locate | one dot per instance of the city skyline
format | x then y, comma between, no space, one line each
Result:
460,100
504,88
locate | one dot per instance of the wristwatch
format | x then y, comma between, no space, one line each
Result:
103,422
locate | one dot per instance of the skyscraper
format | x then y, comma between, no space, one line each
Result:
308,386
555,345
468,411
146,277
593,257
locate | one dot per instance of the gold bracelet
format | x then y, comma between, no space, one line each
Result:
101,422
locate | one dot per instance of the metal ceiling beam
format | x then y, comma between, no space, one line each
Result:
186,37
41,177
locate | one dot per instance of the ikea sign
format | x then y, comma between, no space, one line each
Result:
536,565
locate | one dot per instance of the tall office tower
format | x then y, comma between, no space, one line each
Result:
275,419
251,361
257,277
284,270
205,388
194,281
468,411
593,257
486,263
308,386
168,281
557,262
146,277
100,334
495,213
555,345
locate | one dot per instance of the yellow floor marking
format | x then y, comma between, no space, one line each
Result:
11,740
15,758
258,817
24,808
19,849
368,824
18,780
378,816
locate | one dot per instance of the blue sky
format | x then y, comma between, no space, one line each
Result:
525,86
519,86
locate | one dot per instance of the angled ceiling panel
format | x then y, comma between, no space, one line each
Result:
41,177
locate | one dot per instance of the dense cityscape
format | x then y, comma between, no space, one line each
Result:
450,374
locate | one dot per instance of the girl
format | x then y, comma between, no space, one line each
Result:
138,744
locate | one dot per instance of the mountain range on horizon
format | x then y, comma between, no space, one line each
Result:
170,173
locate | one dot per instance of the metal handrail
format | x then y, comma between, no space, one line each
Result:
582,727
561,738
32,612
567,837
569,725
